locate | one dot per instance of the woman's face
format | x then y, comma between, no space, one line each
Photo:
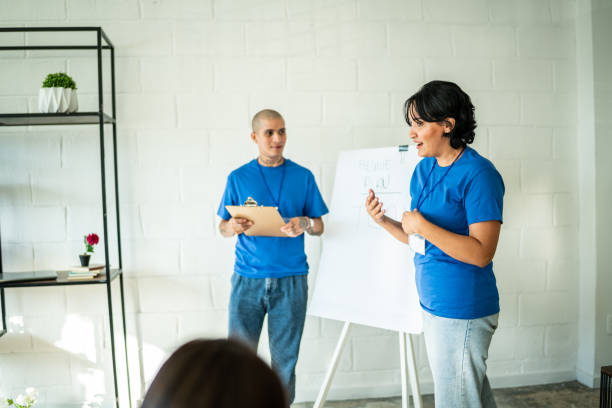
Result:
428,136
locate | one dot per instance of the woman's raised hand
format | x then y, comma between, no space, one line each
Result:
374,207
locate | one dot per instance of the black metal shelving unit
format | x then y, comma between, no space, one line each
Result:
101,119
33,119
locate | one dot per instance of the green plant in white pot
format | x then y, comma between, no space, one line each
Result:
58,94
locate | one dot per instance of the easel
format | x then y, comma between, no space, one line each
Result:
407,366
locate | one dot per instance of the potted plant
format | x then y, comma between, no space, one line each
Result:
22,401
89,240
58,94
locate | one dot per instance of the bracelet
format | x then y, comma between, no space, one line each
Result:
310,226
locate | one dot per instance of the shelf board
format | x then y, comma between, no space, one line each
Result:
34,119
62,280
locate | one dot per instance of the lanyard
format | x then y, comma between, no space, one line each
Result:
280,187
421,201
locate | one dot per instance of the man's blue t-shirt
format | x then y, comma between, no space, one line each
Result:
471,191
273,257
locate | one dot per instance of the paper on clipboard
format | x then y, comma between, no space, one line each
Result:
267,221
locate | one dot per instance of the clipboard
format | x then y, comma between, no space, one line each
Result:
267,221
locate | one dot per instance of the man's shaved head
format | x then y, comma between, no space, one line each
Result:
265,114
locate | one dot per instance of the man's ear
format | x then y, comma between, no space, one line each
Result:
449,125
254,137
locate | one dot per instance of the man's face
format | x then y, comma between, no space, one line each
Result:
270,137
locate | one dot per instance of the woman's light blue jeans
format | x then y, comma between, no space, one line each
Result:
284,300
457,350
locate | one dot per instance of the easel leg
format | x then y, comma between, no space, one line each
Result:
333,365
403,369
414,379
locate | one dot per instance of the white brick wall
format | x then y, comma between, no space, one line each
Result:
520,12
523,74
218,39
485,41
351,39
366,109
280,39
321,74
401,43
190,74
182,9
217,110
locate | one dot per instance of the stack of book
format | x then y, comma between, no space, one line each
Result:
84,272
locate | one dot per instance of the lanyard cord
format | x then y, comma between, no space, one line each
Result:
280,187
419,201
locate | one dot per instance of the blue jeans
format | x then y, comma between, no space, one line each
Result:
457,350
284,300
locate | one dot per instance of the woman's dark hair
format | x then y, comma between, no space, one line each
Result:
438,100
215,374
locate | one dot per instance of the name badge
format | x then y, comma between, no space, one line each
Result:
416,243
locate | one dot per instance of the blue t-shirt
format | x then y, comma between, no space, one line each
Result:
472,191
273,257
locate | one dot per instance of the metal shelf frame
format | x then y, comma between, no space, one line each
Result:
45,119
99,118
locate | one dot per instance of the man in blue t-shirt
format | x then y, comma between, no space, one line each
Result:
270,273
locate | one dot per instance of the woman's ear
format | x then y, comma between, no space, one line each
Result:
448,125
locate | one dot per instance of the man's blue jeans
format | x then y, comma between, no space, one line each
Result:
457,350
284,300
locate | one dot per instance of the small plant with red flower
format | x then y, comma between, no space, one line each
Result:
90,240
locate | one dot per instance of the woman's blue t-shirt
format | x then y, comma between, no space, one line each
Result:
273,257
471,191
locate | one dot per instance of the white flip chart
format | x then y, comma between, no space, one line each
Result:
365,275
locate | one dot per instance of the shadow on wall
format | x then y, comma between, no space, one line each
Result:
78,347
66,356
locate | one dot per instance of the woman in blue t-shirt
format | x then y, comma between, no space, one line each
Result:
453,227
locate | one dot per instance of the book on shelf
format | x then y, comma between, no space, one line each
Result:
84,272
86,269
81,276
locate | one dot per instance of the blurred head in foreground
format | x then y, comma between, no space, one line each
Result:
215,374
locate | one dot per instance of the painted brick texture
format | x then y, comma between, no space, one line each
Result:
190,74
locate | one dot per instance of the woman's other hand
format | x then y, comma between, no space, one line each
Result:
411,221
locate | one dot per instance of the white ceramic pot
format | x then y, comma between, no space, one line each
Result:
73,106
57,100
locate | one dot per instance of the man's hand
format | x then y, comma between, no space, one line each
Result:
240,225
374,207
234,226
296,226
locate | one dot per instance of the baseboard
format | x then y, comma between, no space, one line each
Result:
584,378
522,380
348,393
384,391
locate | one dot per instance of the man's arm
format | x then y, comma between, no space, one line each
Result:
317,226
298,225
